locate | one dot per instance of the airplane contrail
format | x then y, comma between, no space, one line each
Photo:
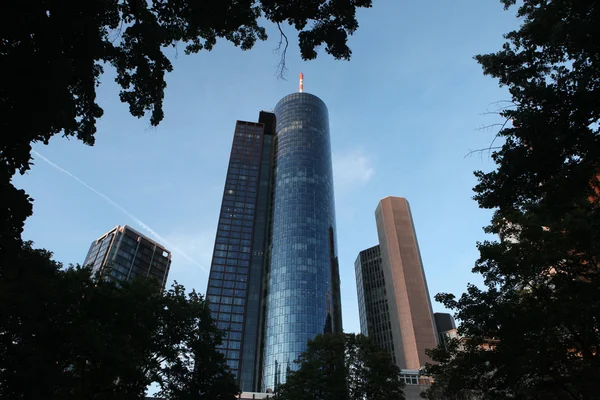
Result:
124,211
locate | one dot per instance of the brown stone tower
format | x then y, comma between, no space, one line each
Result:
411,315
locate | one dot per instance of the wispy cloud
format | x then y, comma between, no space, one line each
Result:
135,219
352,167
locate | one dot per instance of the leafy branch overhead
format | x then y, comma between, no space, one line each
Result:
55,52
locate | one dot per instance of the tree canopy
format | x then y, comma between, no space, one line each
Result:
53,55
66,336
542,280
343,366
56,52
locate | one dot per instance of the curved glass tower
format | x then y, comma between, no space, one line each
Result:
302,280
274,279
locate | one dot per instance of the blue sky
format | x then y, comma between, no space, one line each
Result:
403,112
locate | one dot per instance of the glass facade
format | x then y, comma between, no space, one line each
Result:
123,253
373,307
239,248
251,362
302,283
274,280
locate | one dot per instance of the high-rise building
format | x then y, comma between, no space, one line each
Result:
446,328
373,306
394,304
123,253
274,280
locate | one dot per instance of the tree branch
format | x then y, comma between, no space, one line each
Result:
282,51
489,149
491,146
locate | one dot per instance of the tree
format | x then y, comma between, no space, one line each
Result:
55,54
321,373
343,366
63,47
371,373
542,280
66,336
189,367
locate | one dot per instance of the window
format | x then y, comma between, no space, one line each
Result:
233,354
236,327
240,285
235,335
223,325
214,290
224,317
237,318
216,282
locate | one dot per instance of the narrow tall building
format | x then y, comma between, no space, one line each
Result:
411,314
394,300
373,305
274,280
123,253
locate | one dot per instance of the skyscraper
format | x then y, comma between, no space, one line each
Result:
374,309
394,300
274,279
123,253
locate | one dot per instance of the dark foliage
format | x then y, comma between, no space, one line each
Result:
542,294
343,366
65,336
53,54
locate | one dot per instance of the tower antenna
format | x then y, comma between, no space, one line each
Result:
301,82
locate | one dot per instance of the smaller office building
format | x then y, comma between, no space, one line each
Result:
123,253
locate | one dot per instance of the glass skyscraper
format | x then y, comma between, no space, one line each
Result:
274,281
373,307
123,253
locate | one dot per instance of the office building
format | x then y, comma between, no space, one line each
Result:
374,310
446,328
274,280
123,253
394,304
